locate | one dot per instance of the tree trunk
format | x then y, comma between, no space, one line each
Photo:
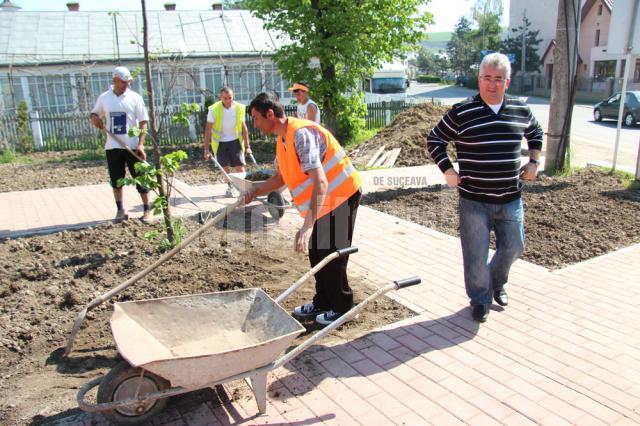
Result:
328,104
162,190
562,87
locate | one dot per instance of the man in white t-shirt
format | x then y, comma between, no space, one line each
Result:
225,126
307,108
122,109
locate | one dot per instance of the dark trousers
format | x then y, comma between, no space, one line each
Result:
331,232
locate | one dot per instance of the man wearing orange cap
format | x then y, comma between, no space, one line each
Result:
307,108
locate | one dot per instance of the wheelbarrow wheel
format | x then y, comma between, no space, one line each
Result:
276,205
122,382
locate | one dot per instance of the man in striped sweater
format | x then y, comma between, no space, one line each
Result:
487,132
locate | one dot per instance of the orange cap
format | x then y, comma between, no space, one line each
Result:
298,86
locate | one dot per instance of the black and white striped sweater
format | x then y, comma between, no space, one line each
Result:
487,145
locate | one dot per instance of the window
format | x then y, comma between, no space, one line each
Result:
51,92
597,38
599,9
636,72
623,63
604,69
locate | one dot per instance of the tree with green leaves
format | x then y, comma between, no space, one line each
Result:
460,49
513,44
332,45
431,63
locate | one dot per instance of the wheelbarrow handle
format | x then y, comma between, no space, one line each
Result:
396,285
253,159
338,253
347,251
407,282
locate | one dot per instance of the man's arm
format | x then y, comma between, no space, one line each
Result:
318,195
533,133
207,139
142,125
312,112
245,138
439,137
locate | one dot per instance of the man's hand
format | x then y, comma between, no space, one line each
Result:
247,197
141,153
452,177
529,171
207,154
247,149
302,238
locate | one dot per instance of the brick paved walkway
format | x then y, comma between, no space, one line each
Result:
565,351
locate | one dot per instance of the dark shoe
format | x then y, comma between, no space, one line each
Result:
480,313
308,310
501,298
330,316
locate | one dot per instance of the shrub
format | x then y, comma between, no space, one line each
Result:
429,79
7,156
23,129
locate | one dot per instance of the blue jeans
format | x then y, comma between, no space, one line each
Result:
477,219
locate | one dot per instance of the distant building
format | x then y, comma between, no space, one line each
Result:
61,61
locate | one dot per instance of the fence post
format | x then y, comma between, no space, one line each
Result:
34,121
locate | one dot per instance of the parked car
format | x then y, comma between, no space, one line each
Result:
610,107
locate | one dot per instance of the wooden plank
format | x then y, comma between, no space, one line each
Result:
393,156
375,156
382,159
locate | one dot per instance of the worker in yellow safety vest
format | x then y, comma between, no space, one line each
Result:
325,188
225,126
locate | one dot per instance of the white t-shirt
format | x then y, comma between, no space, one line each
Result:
495,107
122,113
302,110
228,131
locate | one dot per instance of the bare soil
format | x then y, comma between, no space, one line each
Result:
568,219
46,280
62,169
408,131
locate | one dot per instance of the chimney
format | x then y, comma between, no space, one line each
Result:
169,6
7,6
217,5
73,6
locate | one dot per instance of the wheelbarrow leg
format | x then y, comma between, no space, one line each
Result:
259,388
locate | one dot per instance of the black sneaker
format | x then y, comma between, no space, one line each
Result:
308,310
330,316
501,298
480,313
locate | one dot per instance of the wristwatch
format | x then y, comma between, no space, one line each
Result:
534,161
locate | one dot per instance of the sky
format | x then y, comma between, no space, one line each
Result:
446,12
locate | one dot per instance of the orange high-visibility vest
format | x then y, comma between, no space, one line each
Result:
343,178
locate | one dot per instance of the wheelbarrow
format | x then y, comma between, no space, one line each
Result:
242,181
176,345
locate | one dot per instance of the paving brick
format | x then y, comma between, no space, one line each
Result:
458,406
378,355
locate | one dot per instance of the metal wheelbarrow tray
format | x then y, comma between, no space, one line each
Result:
198,339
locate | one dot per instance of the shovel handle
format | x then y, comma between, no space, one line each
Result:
407,282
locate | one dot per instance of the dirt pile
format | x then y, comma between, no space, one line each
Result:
407,131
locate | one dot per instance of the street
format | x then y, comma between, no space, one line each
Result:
590,140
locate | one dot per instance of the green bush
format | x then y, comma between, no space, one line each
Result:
429,79
23,129
7,156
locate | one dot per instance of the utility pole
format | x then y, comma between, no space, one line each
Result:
524,42
565,59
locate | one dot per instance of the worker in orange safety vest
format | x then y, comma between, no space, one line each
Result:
325,188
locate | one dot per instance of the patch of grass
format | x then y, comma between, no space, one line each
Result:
7,156
363,136
90,155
